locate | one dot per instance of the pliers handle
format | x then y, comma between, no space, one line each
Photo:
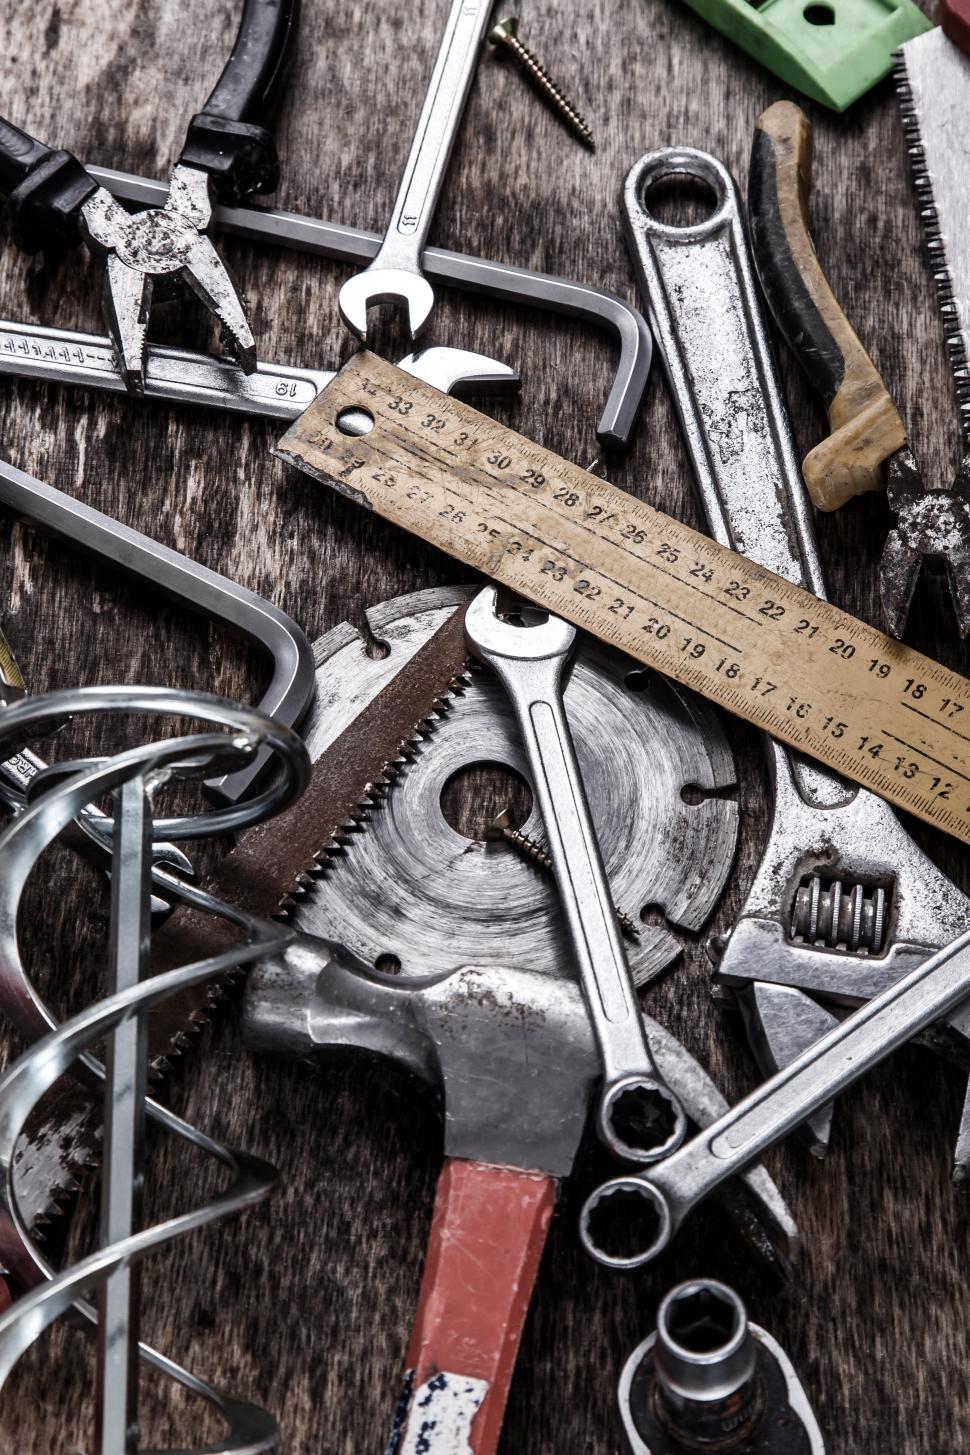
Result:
227,138
46,189
867,447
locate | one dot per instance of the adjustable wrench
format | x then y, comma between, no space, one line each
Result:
844,903
395,275
638,1117
729,1145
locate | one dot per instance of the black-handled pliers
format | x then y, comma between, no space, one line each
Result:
228,156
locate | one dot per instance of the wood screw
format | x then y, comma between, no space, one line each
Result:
506,37
501,828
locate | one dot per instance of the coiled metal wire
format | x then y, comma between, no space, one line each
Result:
57,798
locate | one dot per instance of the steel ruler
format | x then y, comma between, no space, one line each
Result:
813,677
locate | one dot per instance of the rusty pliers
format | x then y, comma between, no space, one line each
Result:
228,157
867,446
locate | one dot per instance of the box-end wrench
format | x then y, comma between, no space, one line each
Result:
843,902
675,1186
395,275
638,1117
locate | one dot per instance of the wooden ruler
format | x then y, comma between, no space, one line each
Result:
814,678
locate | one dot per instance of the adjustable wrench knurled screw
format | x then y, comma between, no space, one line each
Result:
638,1117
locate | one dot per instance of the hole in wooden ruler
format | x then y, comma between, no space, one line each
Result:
355,420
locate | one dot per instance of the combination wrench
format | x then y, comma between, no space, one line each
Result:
395,275
638,1117
844,903
738,1138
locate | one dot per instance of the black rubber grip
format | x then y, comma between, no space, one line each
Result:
46,190
792,305
227,138
20,153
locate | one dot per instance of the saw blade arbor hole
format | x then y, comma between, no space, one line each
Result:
476,794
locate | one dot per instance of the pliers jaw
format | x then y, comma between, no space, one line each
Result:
931,525
164,242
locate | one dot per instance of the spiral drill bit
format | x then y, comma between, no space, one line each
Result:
57,797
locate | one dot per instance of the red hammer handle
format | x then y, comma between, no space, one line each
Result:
955,19
487,1235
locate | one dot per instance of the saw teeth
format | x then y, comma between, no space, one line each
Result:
374,796
936,248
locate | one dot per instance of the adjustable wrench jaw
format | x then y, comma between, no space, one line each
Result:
790,932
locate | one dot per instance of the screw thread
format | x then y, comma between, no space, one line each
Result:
530,849
547,87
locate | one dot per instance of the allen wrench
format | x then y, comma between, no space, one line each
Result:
292,684
500,281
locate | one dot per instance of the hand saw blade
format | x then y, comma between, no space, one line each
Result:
365,737
933,81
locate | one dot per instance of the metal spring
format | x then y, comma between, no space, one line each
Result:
55,800
839,916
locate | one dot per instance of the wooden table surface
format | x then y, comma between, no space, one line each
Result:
304,1305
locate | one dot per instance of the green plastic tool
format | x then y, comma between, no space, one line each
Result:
831,50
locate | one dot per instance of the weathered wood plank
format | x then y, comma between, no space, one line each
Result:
305,1304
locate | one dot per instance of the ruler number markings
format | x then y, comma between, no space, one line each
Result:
813,676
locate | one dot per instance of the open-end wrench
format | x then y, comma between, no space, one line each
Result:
395,275
844,902
729,1145
638,1117
273,391
542,292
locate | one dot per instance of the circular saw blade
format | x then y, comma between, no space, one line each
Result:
407,885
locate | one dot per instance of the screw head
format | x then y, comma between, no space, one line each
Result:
505,30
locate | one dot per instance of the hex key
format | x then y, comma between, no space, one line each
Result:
292,684
502,281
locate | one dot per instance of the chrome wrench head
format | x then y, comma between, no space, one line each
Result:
638,1117
395,275
495,640
376,285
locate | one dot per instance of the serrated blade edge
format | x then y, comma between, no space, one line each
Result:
933,84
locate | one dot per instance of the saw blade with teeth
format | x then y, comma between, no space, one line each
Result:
402,887
369,717
933,82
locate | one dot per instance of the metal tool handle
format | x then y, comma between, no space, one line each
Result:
784,1101
487,1235
638,1117
434,138
866,426
228,138
706,315
291,687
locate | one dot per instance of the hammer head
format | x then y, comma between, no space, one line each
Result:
509,1051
